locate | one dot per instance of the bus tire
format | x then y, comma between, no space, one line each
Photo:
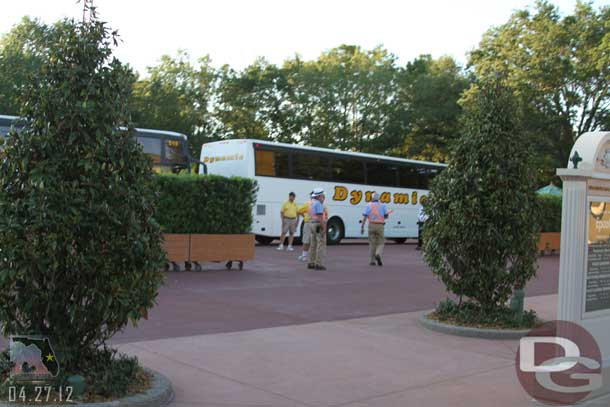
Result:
334,231
399,240
264,240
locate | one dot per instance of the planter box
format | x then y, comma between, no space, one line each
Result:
549,242
177,247
221,247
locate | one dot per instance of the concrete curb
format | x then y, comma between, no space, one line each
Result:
160,394
470,332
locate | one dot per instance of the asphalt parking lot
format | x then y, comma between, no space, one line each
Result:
276,290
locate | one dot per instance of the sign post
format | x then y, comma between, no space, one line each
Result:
584,276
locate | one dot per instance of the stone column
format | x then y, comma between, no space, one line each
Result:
573,241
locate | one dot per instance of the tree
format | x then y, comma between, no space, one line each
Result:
430,90
80,251
252,103
559,68
480,239
20,59
177,96
347,99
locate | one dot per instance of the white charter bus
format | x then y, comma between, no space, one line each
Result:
349,179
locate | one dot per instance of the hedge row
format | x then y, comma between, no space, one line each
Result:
549,216
205,204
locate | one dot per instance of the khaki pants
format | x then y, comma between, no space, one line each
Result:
376,240
317,244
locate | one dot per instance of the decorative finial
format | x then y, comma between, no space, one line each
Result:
575,159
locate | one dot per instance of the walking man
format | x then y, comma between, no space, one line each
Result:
289,221
422,217
317,231
376,213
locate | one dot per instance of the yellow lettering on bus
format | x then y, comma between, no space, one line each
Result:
385,197
368,196
356,197
340,193
414,198
402,199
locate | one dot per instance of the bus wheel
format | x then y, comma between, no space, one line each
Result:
334,232
264,240
400,240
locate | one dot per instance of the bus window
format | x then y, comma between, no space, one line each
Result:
381,174
271,163
310,166
347,170
174,152
151,147
407,177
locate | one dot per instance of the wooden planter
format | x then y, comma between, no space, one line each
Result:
177,247
184,249
222,247
549,242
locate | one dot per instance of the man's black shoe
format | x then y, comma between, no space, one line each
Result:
378,258
320,268
311,266
372,263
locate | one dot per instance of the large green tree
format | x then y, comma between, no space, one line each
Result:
480,237
429,90
80,250
177,95
20,58
559,66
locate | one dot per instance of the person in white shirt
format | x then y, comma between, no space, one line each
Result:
422,217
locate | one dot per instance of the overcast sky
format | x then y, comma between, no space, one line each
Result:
235,32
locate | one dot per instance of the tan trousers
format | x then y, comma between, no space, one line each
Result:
317,244
376,240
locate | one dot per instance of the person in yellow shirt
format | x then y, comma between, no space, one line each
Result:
289,213
304,212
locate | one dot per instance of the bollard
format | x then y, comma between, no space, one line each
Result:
516,304
77,382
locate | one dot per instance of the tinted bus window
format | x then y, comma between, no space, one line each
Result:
272,163
347,170
408,177
381,174
310,166
151,147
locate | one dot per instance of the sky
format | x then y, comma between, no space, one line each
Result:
236,32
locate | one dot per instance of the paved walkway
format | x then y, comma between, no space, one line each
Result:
384,361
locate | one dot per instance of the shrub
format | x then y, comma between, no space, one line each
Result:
205,204
80,251
480,239
549,213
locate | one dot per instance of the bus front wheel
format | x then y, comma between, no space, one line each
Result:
264,240
335,231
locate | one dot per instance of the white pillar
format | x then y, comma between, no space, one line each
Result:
573,246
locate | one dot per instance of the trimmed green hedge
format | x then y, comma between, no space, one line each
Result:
205,203
549,217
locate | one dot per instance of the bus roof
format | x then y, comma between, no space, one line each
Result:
330,151
7,121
